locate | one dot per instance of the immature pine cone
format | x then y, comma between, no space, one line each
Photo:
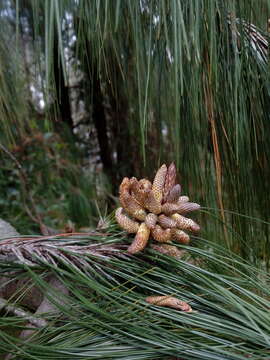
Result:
155,210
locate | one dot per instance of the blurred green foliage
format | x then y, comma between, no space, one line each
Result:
62,190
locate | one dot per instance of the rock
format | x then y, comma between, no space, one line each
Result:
7,230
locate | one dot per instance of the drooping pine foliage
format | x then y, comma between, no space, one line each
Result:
159,81
124,86
105,314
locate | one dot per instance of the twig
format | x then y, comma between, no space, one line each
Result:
37,322
41,238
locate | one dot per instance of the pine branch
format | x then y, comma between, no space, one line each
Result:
31,251
17,311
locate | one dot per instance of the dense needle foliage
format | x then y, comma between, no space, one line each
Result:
105,315
91,91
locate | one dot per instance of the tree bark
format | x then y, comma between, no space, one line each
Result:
100,122
62,90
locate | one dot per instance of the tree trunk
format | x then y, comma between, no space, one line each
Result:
100,122
62,90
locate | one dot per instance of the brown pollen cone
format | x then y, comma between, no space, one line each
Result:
169,250
151,220
158,182
180,236
183,199
181,208
151,203
169,181
128,202
187,207
155,210
169,301
125,222
185,223
160,234
140,189
140,240
166,222
174,194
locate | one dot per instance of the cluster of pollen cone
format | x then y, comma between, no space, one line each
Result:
155,210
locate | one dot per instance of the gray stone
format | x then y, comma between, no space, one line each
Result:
7,230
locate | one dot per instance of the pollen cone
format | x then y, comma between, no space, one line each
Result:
158,182
140,240
160,234
185,223
151,220
169,250
169,181
125,222
169,301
